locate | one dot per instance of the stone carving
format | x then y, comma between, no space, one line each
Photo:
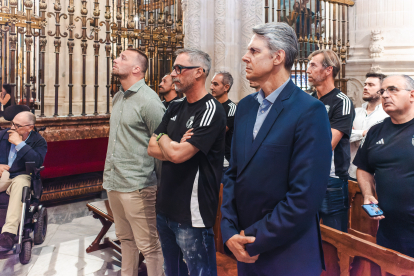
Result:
192,24
375,69
354,91
376,47
219,34
251,14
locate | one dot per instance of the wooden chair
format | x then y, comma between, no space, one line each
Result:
360,224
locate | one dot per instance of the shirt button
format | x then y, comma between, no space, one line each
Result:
262,111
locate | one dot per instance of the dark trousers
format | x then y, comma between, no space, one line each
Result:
195,246
403,243
335,205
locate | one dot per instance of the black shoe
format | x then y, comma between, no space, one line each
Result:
6,241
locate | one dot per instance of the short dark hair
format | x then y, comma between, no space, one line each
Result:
7,87
227,79
379,76
142,57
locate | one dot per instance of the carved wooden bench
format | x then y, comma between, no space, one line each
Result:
360,224
346,255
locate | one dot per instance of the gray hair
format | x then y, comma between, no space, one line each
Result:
30,117
409,82
280,36
197,57
227,78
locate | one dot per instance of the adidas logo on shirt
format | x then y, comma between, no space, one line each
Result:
380,142
174,118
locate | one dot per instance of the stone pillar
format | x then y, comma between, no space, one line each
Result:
223,29
382,40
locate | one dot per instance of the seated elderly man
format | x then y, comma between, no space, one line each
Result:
18,144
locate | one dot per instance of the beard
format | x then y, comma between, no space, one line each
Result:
119,75
162,91
316,80
183,88
370,98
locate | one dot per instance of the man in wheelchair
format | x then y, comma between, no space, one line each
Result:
18,144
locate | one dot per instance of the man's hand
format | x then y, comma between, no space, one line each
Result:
364,133
237,245
3,168
187,135
14,137
369,199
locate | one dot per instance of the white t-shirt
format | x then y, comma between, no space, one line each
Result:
363,121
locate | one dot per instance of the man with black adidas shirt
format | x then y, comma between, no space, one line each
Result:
385,165
220,87
190,140
167,90
324,66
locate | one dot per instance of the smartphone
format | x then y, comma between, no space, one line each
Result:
372,210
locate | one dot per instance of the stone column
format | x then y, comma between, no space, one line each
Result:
382,40
223,29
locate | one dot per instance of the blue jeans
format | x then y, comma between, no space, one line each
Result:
335,205
194,245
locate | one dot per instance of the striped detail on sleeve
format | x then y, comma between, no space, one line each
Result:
209,113
232,110
346,103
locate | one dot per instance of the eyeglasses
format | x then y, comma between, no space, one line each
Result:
391,90
19,126
177,68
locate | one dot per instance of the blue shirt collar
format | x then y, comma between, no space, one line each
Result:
273,96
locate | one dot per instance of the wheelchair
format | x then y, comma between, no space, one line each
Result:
33,219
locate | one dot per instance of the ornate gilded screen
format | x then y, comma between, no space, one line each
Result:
58,54
319,24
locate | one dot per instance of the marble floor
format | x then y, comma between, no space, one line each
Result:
71,229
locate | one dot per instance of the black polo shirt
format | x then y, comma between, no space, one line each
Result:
189,191
341,115
230,109
166,104
388,153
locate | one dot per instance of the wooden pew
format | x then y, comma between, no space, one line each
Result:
360,224
346,255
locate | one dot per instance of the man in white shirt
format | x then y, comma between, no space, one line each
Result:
366,116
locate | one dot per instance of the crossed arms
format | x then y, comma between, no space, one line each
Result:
168,150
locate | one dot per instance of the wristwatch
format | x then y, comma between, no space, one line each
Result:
160,135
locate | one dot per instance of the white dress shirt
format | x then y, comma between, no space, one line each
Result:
363,121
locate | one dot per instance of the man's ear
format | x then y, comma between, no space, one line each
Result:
329,71
412,96
198,72
227,88
279,57
136,69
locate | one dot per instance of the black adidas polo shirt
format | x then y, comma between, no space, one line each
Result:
341,115
388,152
230,109
189,191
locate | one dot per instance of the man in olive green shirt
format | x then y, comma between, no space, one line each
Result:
130,173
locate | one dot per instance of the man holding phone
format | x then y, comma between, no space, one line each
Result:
385,165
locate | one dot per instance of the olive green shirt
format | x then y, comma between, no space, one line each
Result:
136,113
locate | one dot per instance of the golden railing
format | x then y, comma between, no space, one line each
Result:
27,27
319,24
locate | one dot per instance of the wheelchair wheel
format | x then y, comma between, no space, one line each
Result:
40,227
26,253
